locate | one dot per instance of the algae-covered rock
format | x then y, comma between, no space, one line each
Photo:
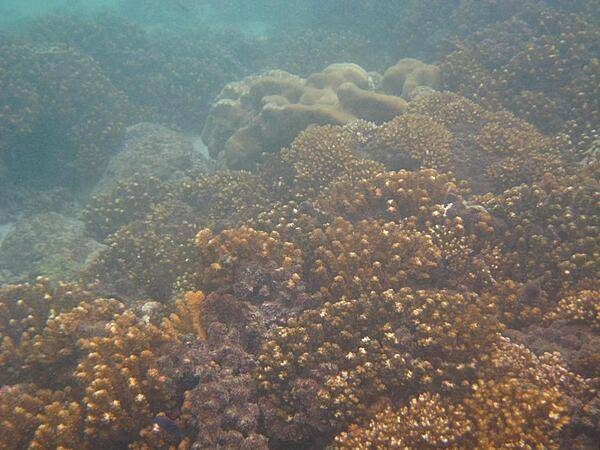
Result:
46,244
152,151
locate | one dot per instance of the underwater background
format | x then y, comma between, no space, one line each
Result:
301,225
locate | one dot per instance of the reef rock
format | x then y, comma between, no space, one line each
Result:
152,151
48,244
263,113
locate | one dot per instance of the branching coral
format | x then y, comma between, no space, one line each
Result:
369,256
550,232
441,130
581,307
391,195
149,253
330,365
145,257
253,265
322,295
315,158
412,141
521,400
225,198
127,201
123,385
21,410
25,311
98,374
427,422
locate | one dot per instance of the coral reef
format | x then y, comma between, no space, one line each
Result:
407,75
492,150
151,150
581,307
152,244
412,141
404,267
315,158
125,201
169,77
263,113
550,232
25,311
97,374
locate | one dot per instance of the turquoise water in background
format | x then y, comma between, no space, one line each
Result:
12,12
251,20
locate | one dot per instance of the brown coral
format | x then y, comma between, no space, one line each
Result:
580,307
410,141
427,422
550,233
369,256
540,63
391,195
25,312
264,113
327,367
315,158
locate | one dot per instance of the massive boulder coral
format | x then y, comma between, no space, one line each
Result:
263,113
408,75
168,78
152,151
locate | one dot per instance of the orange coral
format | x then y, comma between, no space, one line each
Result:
187,317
